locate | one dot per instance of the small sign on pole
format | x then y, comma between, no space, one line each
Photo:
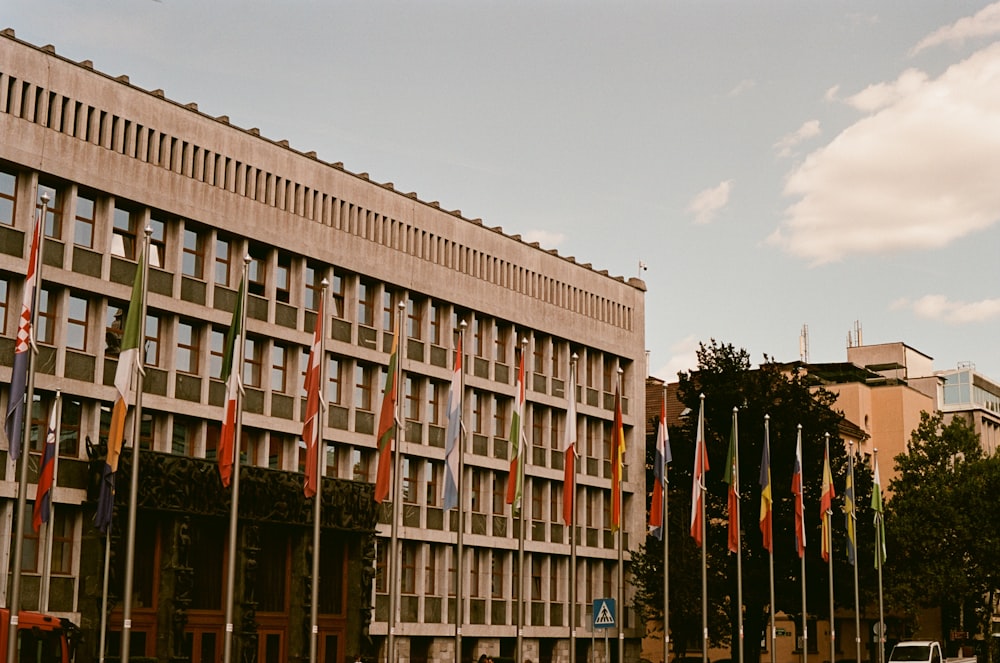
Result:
604,613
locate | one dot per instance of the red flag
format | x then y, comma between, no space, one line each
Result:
662,457
232,366
698,478
569,450
386,434
800,531
46,476
617,463
826,505
515,478
19,367
312,426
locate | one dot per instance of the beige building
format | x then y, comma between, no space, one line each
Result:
116,159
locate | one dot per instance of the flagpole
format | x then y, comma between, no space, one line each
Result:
571,432
665,533
802,553
770,552
25,433
397,506
702,452
234,505
879,545
852,535
621,527
317,441
138,374
102,640
828,535
739,534
460,482
43,601
519,503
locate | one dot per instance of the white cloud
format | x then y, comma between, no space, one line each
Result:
939,307
683,357
787,142
832,94
743,86
707,203
545,238
917,174
985,23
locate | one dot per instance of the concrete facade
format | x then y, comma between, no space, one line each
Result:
116,159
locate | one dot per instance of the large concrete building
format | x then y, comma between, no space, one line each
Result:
115,159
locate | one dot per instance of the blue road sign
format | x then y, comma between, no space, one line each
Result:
604,613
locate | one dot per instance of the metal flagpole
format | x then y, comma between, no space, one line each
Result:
852,535
43,601
739,534
133,492
828,535
665,533
318,426
879,545
770,555
704,535
519,657
22,484
571,430
459,480
802,557
397,506
620,605
234,508
102,641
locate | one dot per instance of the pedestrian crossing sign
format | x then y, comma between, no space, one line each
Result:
604,613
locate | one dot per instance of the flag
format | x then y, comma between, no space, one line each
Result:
662,457
879,516
765,496
617,463
800,529
698,478
311,426
850,517
128,358
826,505
515,479
232,366
569,450
19,367
732,477
453,437
386,434
46,475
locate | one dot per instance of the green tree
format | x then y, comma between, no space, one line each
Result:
941,525
788,398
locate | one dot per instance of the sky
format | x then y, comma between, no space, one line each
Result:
765,167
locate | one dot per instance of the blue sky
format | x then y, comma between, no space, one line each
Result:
773,164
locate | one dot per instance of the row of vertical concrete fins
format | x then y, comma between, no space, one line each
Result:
33,102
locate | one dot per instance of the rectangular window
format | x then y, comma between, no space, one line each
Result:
223,261
187,356
257,272
252,362
366,304
363,387
8,197
499,416
279,359
193,257
437,320
388,310
53,211
76,322
69,427
410,480
436,397
63,522
182,441
360,460
382,569
314,286
431,484
537,498
337,296
412,389
83,222
477,336
157,243
4,304
124,237
283,278
496,575
430,574
500,343
414,318
476,490
114,323
335,381
45,319
478,405
499,494
152,340
216,350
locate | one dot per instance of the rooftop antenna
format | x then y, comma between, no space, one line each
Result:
804,344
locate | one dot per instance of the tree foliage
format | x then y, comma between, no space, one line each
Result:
942,528
788,399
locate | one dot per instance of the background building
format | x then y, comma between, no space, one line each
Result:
116,159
